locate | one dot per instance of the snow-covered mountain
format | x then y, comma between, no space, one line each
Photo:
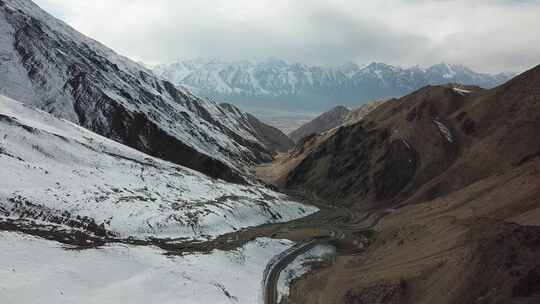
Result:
49,65
298,86
63,178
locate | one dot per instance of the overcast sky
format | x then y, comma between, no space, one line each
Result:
490,36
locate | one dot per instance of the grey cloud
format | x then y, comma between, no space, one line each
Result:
487,35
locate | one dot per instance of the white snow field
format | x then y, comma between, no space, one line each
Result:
34,270
54,171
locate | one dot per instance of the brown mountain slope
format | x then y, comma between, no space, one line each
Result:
458,171
477,245
434,141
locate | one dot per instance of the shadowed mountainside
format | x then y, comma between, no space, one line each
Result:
426,144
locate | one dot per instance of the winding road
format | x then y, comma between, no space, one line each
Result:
340,225
277,265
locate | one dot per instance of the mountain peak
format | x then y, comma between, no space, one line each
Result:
449,67
274,62
326,121
340,108
378,65
349,68
349,65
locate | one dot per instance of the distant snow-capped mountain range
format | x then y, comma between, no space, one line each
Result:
278,83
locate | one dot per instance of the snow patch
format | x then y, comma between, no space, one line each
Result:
461,92
445,131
